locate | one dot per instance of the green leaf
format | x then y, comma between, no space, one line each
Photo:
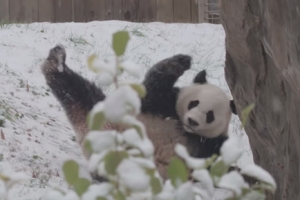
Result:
155,185
81,186
71,170
112,160
245,191
90,62
120,40
96,122
210,160
245,113
254,195
139,130
232,198
101,198
154,182
177,172
119,196
4,178
140,89
219,169
88,146
264,186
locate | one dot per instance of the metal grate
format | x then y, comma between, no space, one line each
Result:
212,12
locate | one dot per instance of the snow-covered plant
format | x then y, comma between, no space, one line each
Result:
122,153
9,178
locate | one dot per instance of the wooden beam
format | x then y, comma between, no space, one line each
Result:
130,10
4,11
164,10
182,11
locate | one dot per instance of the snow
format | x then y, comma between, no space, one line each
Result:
191,162
140,141
11,176
145,163
185,192
135,177
259,173
204,178
120,102
132,138
37,133
60,68
132,68
166,194
231,151
234,182
104,79
107,141
56,195
97,190
105,69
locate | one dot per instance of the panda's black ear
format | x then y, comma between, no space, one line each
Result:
201,77
232,107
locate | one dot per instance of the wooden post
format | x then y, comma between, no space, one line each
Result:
194,11
164,10
4,11
182,11
63,10
201,11
46,11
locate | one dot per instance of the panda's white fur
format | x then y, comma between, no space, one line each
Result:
209,98
78,96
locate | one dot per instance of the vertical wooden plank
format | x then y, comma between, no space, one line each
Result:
194,10
147,10
4,10
23,10
130,10
109,9
164,9
201,11
118,10
182,11
46,11
95,10
63,10
79,12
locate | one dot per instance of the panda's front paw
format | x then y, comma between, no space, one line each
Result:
55,61
181,62
175,65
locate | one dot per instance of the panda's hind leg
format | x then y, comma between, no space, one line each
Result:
159,82
76,95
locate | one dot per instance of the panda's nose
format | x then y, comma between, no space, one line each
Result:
192,122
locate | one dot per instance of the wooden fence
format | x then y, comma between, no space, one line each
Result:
184,11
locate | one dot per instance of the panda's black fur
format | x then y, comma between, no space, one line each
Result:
78,96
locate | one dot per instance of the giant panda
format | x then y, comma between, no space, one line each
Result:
198,115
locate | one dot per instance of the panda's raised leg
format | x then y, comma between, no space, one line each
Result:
76,94
159,82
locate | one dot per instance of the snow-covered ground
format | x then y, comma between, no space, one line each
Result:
36,136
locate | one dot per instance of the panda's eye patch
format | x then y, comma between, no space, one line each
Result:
193,104
210,117
192,122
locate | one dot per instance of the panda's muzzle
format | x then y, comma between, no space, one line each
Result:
188,128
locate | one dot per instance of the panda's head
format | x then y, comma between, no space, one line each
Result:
204,109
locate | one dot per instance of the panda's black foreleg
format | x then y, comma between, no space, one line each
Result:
76,94
159,82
